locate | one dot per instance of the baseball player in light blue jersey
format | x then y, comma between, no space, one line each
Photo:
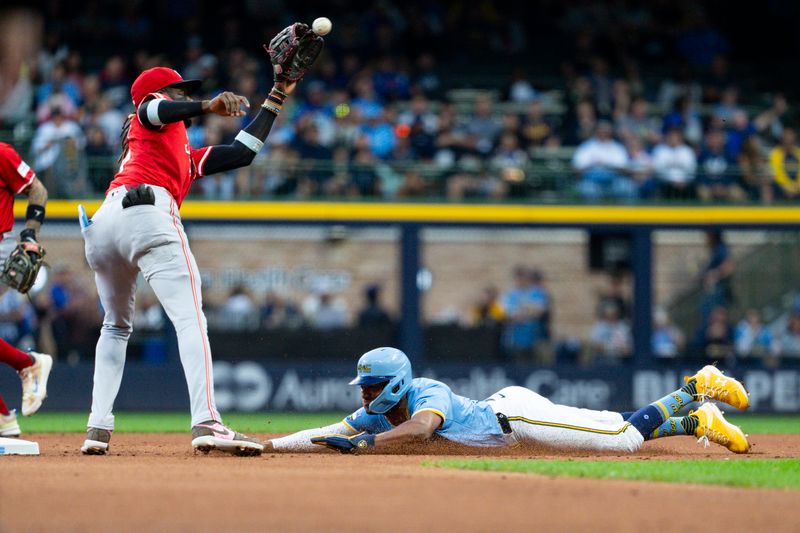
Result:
400,410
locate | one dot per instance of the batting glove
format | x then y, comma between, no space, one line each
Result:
345,444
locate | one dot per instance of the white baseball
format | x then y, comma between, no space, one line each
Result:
322,26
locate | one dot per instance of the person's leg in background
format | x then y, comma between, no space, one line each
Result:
34,371
8,421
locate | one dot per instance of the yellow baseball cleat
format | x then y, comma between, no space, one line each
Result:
711,384
713,427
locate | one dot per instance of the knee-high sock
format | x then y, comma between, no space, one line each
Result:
647,419
14,357
3,407
677,425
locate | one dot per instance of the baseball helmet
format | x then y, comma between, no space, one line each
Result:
157,78
384,365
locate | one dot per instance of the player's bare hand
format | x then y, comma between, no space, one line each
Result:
227,104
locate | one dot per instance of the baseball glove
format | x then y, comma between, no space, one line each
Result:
293,51
22,266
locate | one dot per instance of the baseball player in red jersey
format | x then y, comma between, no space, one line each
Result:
138,229
16,177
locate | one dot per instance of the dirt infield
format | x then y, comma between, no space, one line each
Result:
156,483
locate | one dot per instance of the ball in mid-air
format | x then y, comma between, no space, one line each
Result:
322,26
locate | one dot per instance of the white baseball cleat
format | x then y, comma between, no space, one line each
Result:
34,382
9,426
212,435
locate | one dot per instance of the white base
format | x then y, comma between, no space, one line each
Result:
18,447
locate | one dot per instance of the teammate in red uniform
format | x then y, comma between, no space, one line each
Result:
138,229
16,177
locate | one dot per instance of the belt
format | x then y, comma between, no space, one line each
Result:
505,425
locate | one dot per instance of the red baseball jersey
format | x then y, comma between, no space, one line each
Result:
15,177
160,157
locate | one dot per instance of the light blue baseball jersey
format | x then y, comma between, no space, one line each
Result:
466,421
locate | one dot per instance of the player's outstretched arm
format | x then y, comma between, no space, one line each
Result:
249,141
420,428
300,442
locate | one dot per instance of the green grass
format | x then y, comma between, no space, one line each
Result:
766,424
47,422
754,473
179,422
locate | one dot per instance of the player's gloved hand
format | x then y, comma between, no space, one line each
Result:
345,444
139,195
292,53
20,269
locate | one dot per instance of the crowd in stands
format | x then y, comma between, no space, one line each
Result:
381,115
64,319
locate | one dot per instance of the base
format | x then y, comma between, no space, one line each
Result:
18,447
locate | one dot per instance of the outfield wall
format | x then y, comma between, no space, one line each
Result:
251,386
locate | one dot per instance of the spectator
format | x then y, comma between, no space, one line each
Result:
639,124
100,159
74,314
390,82
373,314
525,307
521,90
581,124
239,311
518,334
17,318
718,274
325,312
280,312
784,160
728,105
482,128
427,77
717,180
380,134
616,294
674,164
487,310
718,336
740,129
508,155
601,161
752,338
422,124
667,341
536,128
59,84
610,341
789,342
640,167
755,173
58,141
686,119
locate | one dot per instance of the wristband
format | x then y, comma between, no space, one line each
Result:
269,106
35,212
282,95
250,141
